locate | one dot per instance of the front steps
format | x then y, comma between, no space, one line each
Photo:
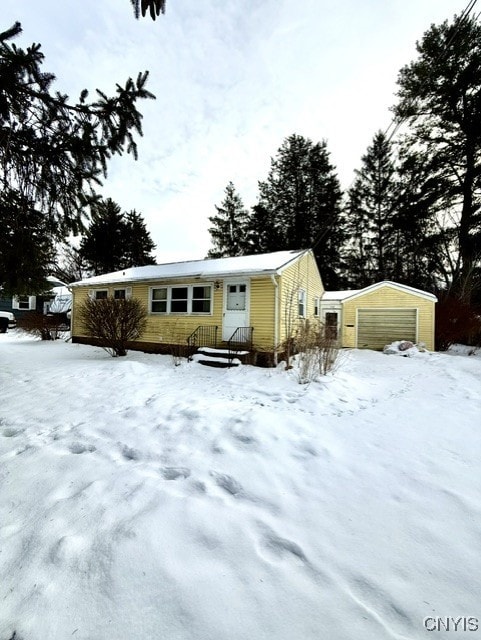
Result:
219,357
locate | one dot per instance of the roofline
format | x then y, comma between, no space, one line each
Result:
206,276
301,252
396,285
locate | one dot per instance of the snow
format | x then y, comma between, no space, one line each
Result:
140,499
266,263
351,293
339,295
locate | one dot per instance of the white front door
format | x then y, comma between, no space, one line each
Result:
236,307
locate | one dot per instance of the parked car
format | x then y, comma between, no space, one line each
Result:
7,319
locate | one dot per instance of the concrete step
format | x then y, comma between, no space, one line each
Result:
220,357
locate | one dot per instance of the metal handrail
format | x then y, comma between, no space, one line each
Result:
204,336
240,340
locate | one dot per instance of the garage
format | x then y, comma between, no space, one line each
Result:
377,315
378,327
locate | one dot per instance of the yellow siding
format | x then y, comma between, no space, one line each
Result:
388,297
302,274
262,313
168,329
175,328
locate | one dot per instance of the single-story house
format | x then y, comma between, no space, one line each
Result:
377,315
257,300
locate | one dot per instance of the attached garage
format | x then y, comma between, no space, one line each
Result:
384,312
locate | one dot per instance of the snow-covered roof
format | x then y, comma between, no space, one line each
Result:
338,295
344,295
265,263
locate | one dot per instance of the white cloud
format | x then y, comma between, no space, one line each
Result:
232,80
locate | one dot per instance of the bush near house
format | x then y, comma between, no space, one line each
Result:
113,323
46,327
457,321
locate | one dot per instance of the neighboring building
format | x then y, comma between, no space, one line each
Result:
377,315
22,305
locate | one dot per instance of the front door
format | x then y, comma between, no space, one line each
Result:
236,307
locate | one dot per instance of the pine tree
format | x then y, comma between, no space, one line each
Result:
115,240
375,244
440,97
53,154
138,244
155,7
300,203
229,232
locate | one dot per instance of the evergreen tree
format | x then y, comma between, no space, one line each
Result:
375,245
230,230
300,203
440,97
52,156
138,241
115,240
154,7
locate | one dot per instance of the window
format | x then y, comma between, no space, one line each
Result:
302,303
159,300
101,294
186,299
123,294
316,307
24,303
179,300
201,299
236,297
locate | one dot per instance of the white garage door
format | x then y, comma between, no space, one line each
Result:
378,327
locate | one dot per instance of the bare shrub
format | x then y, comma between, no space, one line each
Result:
113,323
44,327
317,349
174,334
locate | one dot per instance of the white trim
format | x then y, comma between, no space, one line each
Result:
276,316
386,309
388,283
247,310
299,255
31,301
93,293
301,299
189,288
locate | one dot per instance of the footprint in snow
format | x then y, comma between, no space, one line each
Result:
11,432
174,473
228,483
130,454
282,548
80,447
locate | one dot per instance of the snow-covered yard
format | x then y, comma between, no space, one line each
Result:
143,500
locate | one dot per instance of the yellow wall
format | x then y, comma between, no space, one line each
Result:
302,274
168,329
176,328
388,297
262,313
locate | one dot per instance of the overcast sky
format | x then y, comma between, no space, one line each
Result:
233,78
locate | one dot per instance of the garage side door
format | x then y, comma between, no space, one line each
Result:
378,327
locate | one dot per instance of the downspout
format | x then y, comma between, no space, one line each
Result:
71,314
276,316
